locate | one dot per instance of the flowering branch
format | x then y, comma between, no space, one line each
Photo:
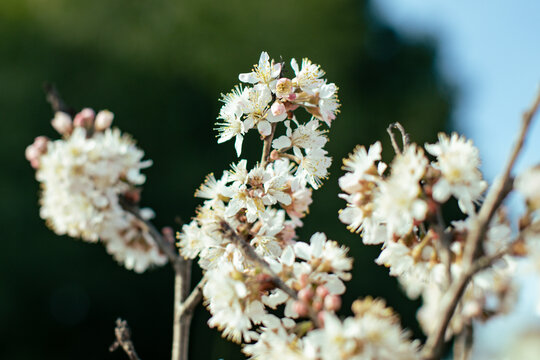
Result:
250,254
87,127
477,233
166,246
123,339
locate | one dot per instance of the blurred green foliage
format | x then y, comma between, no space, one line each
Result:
160,66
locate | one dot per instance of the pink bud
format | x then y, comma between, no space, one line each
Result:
317,305
104,120
332,302
34,163
320,317
306,294
33,152
304,280
85,118
277,108
274,155
301,308
321,291
41,144
291,97
62,123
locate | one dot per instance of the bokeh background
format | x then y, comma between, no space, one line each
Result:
161,66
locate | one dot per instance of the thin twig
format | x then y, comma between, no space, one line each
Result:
182,279
53,97
181,320
123,339
463,344
290,157
267,145
250,253
165,246
193,299
444,241
494,198
404,137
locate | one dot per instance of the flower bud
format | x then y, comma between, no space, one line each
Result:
274,155
277,108
104,119
85,118
320,317
332,302
306,294
304,280
34,151
317,305
321,291
265,282
62,123
301,308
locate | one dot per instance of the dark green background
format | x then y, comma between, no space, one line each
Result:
160,66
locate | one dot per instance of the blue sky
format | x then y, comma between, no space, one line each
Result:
491,50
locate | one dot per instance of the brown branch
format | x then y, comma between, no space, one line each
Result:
500,188
290,157
165,246
267,146
463,344
123,339
181,320
193,299
182,280
404,136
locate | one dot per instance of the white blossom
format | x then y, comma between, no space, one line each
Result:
458,161
82,179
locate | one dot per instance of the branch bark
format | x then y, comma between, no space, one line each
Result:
404,136
182,283
123,340
267,146
497,193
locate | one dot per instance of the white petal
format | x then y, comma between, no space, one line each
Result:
248,78
275,118
302,250
287,257
281,142
264,128
238,144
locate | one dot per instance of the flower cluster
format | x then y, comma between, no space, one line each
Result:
400,207
84,178
373,333
272,99
244,233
